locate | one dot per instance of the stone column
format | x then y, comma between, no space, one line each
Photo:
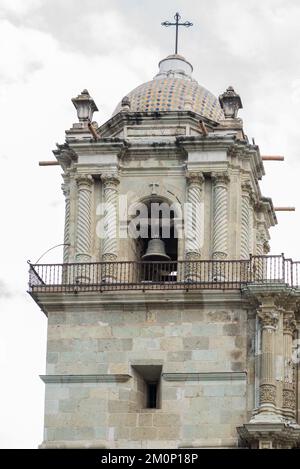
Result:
220,215
110,242
66,190
193,226
245,220
260,240
289,388
220,226
84,223
267,389
259,265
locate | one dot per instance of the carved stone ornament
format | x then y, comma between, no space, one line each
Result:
267,394
220,178
194,177
289,399
289,323
246,188
110,180
84,180
108,257
193,256
268,318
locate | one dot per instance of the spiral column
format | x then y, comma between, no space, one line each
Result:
66,191
289,389
193,226
245,220
84,212
110,242
220,215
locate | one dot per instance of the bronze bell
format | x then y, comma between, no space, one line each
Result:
156,251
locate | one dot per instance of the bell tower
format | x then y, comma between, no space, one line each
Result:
169,325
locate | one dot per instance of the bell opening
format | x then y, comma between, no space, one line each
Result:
158,251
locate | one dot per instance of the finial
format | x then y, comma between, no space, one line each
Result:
230,102
125,104
85,106
177,18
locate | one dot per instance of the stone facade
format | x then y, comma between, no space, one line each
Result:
95,395
221,358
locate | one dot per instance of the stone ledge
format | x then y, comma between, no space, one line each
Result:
287,434
108,378
209,376
80,444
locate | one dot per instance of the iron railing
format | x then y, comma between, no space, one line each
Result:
130,275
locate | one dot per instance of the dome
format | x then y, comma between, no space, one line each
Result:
171,89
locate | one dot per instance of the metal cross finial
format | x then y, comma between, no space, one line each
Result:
177,18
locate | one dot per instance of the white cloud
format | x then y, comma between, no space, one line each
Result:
19,6
53,50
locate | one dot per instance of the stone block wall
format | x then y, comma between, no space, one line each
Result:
95,398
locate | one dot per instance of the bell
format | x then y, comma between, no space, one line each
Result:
156,251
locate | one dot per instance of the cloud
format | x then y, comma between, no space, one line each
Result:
5,291
28,51
19,7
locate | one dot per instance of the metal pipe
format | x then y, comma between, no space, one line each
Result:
203,128
48,163
272,158
284,209
93,131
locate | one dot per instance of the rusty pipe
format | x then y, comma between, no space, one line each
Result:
272,158
93,131
285,209
203,128
48,163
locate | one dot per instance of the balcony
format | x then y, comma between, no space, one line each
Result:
179,275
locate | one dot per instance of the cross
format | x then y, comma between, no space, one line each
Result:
177,18
154,185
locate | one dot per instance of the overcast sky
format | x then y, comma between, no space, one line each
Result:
49,51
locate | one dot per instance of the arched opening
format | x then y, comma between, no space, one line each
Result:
157,241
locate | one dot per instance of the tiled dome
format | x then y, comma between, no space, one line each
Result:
171,89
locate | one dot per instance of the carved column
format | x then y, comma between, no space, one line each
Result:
245,220
110,242
84,213
193,226
260,240
267,389
220,215
289,388
66,191
220,226
259,264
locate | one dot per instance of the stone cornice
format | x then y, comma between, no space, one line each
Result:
107,378
117,122
276,432
94,300
213,376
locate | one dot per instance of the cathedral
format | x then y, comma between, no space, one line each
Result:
169,324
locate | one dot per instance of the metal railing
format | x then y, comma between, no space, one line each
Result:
188,275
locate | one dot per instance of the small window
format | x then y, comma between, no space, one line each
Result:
148,380
152,395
